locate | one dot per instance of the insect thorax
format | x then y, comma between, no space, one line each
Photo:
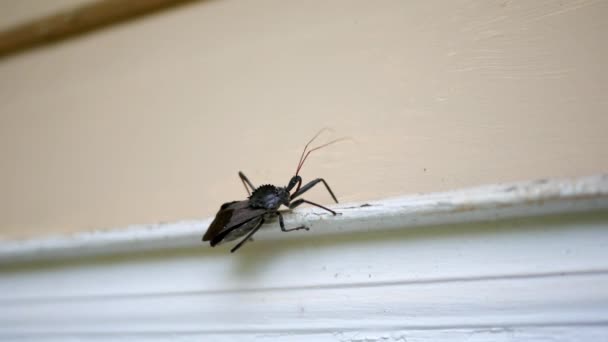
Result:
269,197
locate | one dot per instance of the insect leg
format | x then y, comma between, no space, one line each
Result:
301,200
246,182
310,184
249,235
282,224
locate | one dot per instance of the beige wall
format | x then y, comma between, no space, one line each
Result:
150,121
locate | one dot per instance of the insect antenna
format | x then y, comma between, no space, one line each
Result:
306,153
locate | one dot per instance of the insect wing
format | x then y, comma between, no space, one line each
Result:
237,231
230,216
222,218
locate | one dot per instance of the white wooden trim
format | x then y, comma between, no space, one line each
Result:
525,262
522,199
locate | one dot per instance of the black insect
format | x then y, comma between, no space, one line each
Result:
238,218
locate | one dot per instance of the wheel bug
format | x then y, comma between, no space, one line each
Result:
238,218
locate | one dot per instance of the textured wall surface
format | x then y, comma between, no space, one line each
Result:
150,120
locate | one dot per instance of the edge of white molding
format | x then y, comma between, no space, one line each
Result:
485,203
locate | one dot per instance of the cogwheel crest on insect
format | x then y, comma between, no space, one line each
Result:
262,188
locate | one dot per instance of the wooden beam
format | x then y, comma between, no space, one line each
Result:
77,21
